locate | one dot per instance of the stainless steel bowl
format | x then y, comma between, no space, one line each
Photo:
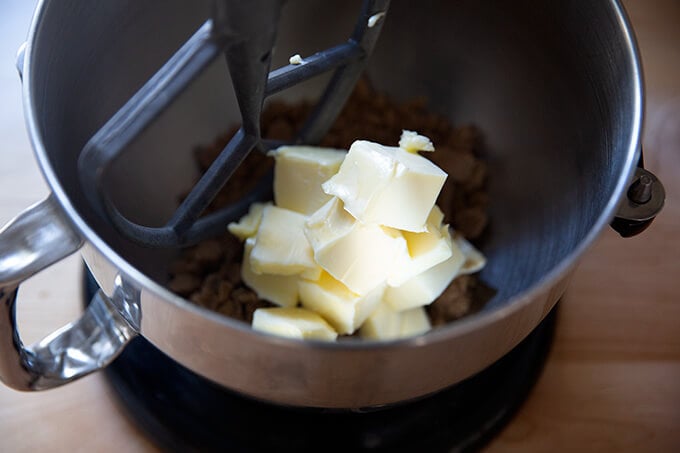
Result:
554,86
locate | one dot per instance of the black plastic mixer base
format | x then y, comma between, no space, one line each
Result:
182,411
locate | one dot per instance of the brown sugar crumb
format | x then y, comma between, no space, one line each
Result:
455,303
184,284
471,221
209,274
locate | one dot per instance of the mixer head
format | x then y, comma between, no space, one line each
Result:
244,32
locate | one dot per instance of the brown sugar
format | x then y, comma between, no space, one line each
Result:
208,274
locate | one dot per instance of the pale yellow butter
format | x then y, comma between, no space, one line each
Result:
342,308
293,323
414,142
474,260
387,186
425,250
281,247
383,324
299,173
248,224
414,322
278,289
361,256
425,287
436,217
387,324
356,238
296,59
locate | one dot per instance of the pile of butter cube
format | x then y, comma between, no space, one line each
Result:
353,242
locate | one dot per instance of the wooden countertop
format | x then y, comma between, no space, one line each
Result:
612,382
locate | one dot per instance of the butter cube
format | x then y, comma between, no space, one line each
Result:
342,308
436,217
414,322
414,142
293,323
278,289
425,250
474,260
387,324
299,173
281,247
383,324
248,224
361,256
424,288
387,186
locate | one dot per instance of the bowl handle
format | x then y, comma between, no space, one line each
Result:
37,238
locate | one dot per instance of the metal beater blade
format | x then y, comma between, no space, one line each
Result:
245,33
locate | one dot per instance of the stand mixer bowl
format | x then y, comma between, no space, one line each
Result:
555,88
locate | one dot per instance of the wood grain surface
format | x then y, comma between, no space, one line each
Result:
612,382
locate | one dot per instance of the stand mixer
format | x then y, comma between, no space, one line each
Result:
516,311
